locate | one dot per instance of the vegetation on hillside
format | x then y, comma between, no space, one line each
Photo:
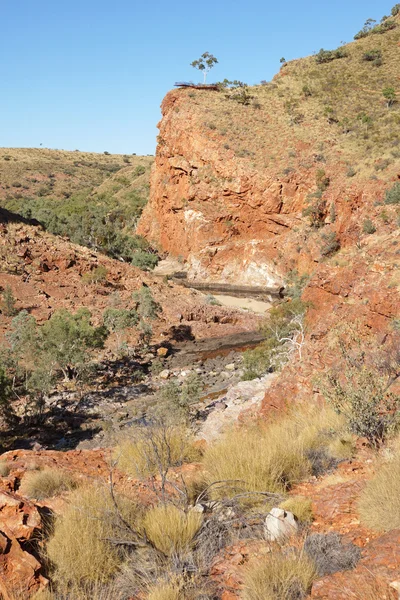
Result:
94,200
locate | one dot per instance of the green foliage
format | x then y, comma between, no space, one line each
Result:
395,10
359,389
38,355
67,339
315,209
283,335
372,55
368,226
174,402
370,28
392,196
144,260
99,221
8,303
325,56
146,306
330,243
117,319
5,394
205,63
389,93
295,283
97,275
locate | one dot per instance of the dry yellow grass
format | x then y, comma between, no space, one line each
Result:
46,483
170,529
379,504
272,458
279,576
300,506
171,590
146,452
78,547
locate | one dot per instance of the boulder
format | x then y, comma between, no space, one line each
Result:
279,525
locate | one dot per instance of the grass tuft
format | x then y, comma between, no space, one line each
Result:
300,506
279,577
379,504
78,547
274,457
46,483
170,529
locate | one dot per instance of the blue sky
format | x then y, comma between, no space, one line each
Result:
90,75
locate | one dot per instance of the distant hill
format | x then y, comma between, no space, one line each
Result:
94,199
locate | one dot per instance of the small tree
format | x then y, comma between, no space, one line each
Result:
8,302
389,94
68,338
205,63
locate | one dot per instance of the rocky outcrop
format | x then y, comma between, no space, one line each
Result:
20,529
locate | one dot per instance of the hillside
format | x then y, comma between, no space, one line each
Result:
320,138
33,172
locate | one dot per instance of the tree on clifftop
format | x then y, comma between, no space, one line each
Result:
205,63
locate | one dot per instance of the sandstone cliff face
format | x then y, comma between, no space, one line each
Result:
230,184
233,221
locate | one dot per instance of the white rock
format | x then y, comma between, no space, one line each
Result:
230,367
279,524
165,374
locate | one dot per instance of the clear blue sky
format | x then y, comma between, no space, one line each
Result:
90,75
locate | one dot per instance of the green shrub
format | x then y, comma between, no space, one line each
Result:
325,56
392,196
395,10
330,243
97,275
8,303
144,260
359,389
372,55
368,226
284,335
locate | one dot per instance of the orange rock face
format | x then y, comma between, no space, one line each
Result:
20,527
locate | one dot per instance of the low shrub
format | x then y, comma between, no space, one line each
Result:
170,529
155,448
325,56
8,302
368,227
329,554
392,196
97,275
330,243
46,483
300,506
372,55
279,576
379,505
